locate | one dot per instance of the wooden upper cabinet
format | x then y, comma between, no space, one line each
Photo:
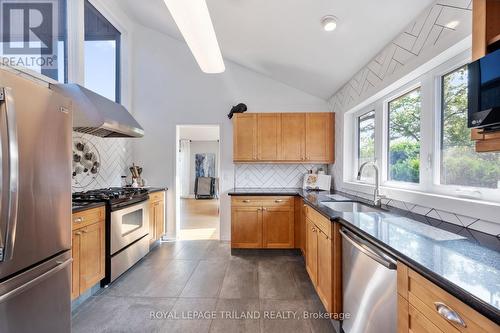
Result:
268,136
245,137
293,134
319,137
284,137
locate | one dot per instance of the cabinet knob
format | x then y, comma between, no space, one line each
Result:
246,201
449,314
78,233
78,220
278,200
264,208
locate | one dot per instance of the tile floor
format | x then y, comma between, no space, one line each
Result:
182,281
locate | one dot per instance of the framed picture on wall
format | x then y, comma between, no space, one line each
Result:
205,165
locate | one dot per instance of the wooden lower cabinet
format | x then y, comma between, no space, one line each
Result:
277,227
420,302
323,259
312,251
156,216
246,227
75,265
324,278
88,250
262,222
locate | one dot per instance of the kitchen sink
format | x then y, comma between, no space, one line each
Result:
349,207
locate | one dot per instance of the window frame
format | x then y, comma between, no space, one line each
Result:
387,103
357,131
429,188
116,39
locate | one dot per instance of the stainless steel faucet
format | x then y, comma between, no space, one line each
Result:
377,198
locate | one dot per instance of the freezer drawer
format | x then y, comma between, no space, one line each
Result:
38,300
369,281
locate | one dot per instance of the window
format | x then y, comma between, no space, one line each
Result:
366,141
404,138
460,164
102,54
42,49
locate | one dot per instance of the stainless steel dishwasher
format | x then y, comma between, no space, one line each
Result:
369,287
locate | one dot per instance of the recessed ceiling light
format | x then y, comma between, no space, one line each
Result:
329,23
452,24
194,22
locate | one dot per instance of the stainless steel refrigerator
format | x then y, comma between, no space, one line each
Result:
35,206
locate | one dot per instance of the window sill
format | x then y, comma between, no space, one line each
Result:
480,209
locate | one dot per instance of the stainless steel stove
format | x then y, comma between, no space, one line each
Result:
127,226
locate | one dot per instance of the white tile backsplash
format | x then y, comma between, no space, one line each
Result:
115,159
271,175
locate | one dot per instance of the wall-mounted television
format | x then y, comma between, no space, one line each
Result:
484,92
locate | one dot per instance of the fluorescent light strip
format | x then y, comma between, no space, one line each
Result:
193,20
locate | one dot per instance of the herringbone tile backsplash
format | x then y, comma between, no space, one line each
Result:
115,158
271,175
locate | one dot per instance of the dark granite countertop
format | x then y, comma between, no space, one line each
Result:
464,262
152,189
81,206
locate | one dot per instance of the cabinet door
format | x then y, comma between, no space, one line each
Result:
293,130
324,279
159,219
246,227
277,227
302,227
75,265
311,250
268,136
152,221
245,137
319,137
91,255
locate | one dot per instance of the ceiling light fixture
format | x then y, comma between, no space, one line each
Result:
329,23
452,24
193,20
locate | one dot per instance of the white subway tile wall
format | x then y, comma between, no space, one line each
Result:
115,159
460,220
271,175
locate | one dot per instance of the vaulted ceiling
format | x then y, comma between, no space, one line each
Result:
283,39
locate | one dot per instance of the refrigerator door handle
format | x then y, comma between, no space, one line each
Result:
33,282
9,234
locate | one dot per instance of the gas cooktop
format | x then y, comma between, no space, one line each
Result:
111,195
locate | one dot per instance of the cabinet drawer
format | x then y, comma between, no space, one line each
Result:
246,201
277,201
88,217
427,298
157,196
324,224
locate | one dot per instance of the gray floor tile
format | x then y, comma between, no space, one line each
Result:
241,279
237,315
276,281
193,250
119,314
189,278
166,280
206,280
191,315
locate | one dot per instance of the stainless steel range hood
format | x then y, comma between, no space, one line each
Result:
97,115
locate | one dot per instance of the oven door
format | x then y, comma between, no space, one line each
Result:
128,224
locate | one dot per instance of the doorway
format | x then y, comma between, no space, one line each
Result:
197,181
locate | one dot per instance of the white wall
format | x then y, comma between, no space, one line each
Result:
198,147
170,89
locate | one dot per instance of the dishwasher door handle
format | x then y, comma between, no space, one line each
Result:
386,262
